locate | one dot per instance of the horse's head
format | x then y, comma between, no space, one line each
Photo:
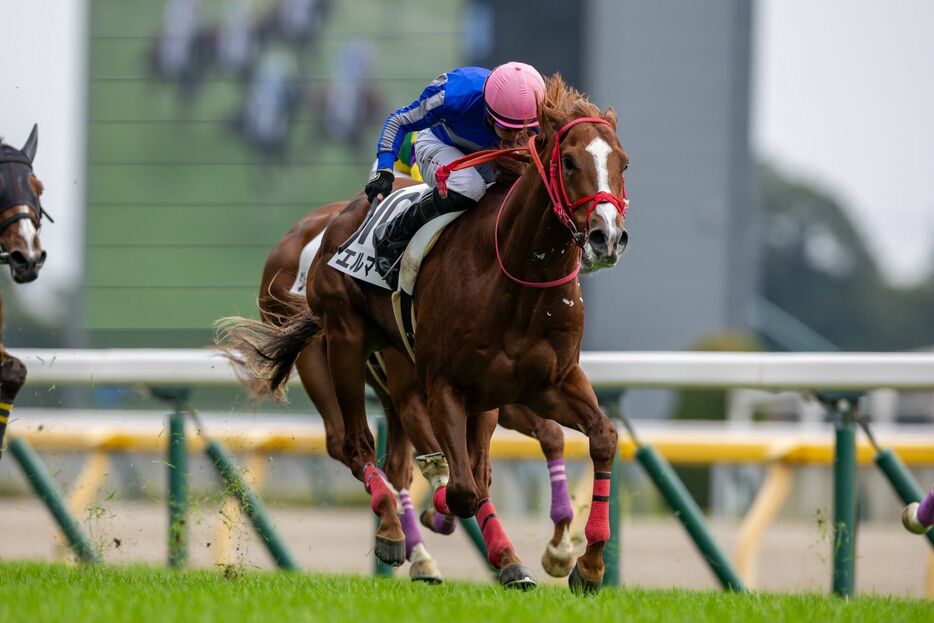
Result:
20,210
587,168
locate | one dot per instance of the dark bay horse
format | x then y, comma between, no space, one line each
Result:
486,338
20,219
403,402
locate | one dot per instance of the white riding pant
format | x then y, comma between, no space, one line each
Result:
431,153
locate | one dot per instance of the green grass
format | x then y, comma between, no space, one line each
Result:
38,592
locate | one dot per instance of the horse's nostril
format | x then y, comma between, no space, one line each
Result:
597,239
17,258
41,259
623,241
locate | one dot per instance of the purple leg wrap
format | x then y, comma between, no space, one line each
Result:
444,524
413,536
560,501
926,509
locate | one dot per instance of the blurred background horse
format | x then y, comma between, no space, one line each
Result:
20,220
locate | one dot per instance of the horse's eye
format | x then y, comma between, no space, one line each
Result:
568,163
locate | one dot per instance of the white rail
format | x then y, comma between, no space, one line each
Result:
810,371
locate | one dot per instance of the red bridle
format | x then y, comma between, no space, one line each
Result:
554,185
553,179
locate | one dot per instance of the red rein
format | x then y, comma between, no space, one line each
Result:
554,186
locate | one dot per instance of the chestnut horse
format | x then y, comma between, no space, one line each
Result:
403,402
20,219
486,337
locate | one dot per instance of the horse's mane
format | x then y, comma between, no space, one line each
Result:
564,101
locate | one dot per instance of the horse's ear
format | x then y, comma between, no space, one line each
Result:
610,115
32,143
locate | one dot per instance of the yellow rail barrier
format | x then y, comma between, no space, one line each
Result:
692,446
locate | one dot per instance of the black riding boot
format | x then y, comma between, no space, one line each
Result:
390,239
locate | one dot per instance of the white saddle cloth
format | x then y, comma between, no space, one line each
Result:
357,258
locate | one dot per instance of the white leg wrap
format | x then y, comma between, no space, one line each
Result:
434,468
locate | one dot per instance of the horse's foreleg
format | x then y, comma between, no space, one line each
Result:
12,377
559,553
346,362
500,551
573,404
449,422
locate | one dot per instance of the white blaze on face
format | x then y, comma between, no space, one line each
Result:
600,150
27,231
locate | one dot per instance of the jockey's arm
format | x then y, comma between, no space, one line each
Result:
423,113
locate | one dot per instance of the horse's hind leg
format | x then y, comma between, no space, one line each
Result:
423,567
573,404
346,362
559,553
408,398
500,552
12,377
312,366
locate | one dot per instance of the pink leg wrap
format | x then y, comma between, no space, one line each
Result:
440,501
597,529
493,534
375,481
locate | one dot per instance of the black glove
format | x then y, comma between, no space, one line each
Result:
379,184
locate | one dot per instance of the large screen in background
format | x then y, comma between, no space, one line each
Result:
215,125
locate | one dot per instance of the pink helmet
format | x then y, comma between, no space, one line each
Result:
512,92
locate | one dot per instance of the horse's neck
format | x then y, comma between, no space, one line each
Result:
534,244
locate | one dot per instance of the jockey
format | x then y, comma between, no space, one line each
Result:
460,112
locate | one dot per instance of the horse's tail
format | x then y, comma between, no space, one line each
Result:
263,354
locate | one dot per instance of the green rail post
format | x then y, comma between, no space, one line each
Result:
687,511
252,506
382,443
844,494
902,481
177,463
42,483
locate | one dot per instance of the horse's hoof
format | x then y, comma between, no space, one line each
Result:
558,560
582,586
557,563
516,576
910,519
423,567
390,552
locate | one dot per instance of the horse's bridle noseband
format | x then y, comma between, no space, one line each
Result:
15,190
